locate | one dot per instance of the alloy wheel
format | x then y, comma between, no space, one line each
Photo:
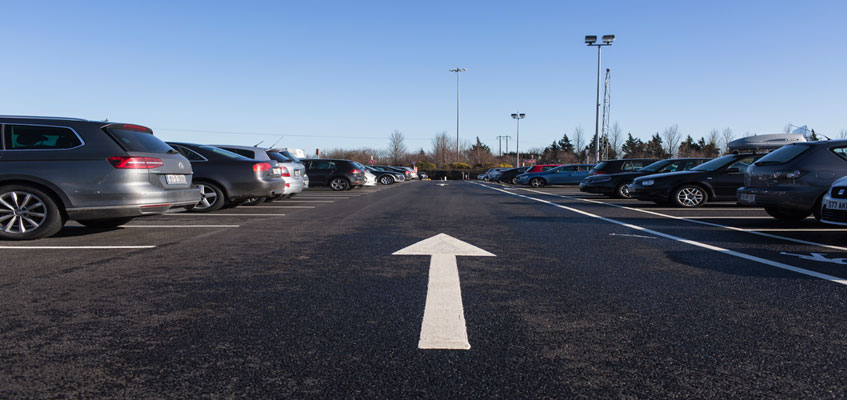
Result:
690,196
339,184
21,212
208,197
537,182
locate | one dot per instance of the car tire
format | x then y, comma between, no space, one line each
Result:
537,182
386,180
31,208
253,201
105,223
514,181
787,215
212,198
689,196
622,191
339,184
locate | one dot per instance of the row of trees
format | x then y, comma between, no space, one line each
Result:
577,147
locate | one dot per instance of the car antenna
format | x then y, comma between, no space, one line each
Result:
257,144
277,141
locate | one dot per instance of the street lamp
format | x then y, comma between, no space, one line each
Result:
591,40
458,71
518,117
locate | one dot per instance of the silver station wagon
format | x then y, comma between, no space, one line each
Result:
100,174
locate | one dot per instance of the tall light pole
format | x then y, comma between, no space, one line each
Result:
458,72
592,41
518,117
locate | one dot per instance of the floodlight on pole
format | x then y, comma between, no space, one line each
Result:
591,40
518,117
458,71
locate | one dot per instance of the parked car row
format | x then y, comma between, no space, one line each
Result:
790,183
104,174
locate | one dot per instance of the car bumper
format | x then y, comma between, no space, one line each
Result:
597,187
799,198
293,186
153,203
648,193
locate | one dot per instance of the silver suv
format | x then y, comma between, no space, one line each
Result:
293,172
100,174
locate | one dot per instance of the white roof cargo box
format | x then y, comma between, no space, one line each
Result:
764,143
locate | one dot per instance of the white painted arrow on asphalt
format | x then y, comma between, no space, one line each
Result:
443,324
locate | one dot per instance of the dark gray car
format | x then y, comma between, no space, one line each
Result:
790,182
100,174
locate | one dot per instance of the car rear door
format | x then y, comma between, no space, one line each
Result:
319,171
727,181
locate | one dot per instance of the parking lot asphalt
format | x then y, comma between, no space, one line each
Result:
302,298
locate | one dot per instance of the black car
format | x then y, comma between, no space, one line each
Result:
508,176
791,181
226,178
620,165
716,180
337,174
406,173
617,184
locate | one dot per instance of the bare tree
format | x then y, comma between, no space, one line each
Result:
844,134
578,141
672,138
726,137
713,138
441,148
615,136
397,147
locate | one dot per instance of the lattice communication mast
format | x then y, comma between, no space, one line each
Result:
604,133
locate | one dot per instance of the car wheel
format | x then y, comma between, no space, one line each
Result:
386,180
622,191
514,181
27,213
105,223
689,196
212,198
253,201
537,182
339,184
787,215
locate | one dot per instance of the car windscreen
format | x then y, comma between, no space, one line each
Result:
599,167
134,140
783,154
221,152
278,156
715,164
655,166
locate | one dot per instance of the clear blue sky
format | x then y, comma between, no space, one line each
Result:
347,73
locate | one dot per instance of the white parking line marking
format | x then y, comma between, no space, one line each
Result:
703,208
797,230
180,226
732,228
309,201
724,217
282,206
74,247
760,260
223,215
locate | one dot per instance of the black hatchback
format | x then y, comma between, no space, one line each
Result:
716,180
621,165
337,174
617,185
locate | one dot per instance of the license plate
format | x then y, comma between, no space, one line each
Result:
297,172
836,205
175,179
277,171
748,198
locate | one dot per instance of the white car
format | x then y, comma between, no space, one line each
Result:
834,203
370,178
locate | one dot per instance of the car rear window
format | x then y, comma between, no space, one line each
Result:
242,152
280,156
599,167
31,137
225,153
134,140
783,154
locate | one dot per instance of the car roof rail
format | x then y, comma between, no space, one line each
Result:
42,117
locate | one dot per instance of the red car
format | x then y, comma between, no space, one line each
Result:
541,168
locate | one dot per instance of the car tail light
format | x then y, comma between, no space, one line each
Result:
355,171
124,162
284,171
137,128
261,167
786,175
